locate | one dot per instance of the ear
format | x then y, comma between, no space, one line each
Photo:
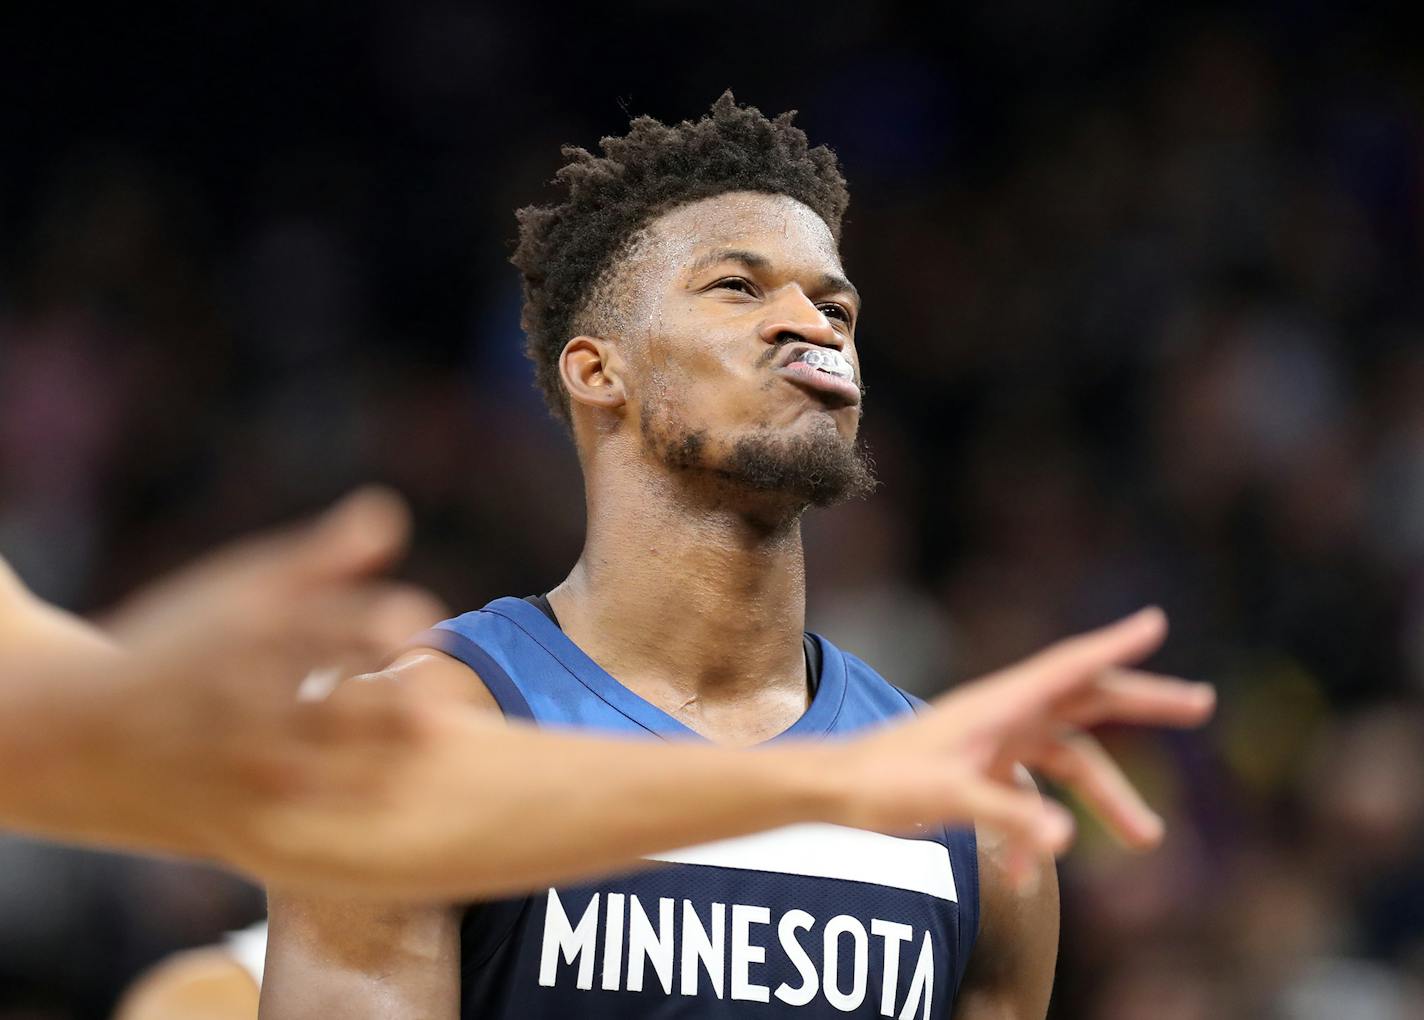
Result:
591,371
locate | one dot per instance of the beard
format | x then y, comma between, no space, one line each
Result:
819,468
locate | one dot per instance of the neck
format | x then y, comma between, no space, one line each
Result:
693,603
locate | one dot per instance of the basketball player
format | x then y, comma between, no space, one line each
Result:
189,740
689,319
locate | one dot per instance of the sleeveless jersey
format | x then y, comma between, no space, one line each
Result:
806,921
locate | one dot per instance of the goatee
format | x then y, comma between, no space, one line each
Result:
820,469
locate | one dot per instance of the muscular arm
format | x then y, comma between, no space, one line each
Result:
1010,974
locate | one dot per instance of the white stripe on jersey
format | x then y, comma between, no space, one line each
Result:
821,850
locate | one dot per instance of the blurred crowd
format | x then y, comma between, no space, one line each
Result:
1142,325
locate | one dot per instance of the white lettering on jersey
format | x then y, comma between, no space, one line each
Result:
645,944
810,981
613,943
697,948
921,985
572,943
744,954
844,924
893,934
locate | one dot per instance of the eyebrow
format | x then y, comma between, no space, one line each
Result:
832,282
750,259
760,263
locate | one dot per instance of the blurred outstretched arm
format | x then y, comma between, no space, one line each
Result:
184,735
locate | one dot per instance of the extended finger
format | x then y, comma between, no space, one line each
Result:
361,534
1129,640
1059,671
393,612
1144,699
1021,815
1078,762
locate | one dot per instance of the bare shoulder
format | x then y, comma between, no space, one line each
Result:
201,984
1013,914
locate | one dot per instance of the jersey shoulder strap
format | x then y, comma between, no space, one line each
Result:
498,642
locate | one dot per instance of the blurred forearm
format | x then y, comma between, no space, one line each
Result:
480,808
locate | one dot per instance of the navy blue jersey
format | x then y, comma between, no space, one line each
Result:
805,921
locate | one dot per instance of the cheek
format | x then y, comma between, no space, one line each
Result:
698,386
708,371
693,359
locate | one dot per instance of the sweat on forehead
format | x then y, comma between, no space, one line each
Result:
687,239
729,220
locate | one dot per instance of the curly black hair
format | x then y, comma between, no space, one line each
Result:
566,251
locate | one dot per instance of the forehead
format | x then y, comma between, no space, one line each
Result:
784,230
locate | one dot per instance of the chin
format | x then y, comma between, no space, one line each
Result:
816,465
809,462
826,428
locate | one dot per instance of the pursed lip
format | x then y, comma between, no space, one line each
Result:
834,389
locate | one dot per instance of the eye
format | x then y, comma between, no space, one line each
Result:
834,311
735,283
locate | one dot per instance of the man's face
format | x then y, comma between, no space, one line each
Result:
739,348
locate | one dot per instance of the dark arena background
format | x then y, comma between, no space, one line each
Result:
1143,325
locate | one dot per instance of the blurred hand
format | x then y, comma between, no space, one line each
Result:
961,760
173,739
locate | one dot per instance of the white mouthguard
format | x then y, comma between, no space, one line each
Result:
828,360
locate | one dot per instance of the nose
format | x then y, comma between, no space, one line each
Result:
793,316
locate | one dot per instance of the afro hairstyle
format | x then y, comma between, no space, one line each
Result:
568,251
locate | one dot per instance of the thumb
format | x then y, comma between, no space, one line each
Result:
361,534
